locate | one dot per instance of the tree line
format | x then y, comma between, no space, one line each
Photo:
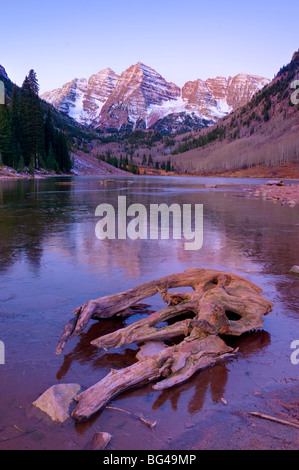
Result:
28,137
123,163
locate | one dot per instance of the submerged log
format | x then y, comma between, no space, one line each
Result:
220,304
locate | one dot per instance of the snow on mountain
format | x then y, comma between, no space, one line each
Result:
159,111
83,99
140,98
138,88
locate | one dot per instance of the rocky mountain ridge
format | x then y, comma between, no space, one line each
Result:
140,98
3,72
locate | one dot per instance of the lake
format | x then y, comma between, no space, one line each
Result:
51,262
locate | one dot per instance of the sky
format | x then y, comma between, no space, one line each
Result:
182,40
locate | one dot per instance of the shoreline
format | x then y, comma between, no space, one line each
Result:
286,171
285,194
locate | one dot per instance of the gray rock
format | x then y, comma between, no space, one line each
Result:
100,441
276,183
295,269
292,203
55,401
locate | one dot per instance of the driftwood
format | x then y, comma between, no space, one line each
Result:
272,418
220,304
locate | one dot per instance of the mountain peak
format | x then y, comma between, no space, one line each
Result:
140,97
143,66
295,55
140,66
107,71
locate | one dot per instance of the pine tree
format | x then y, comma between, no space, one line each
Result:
150,160
25,122
5,136
33,82
32,123
21,164
27,139
62,153
38,138
15,128
49,132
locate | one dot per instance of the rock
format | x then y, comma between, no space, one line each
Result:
55,401
150,348
276,183
295,269
100,440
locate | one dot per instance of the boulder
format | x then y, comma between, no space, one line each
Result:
294,269
292,203
55,401
276,183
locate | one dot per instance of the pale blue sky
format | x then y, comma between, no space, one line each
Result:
182,40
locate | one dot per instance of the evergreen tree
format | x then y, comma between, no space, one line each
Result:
32,124
15,128
33,82
21,164
27,139
25,122
62,153
5,136
49,133
150,160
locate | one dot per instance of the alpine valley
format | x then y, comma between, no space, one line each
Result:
140,98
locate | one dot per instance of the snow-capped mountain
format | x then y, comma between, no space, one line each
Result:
137,89
83,99
140,98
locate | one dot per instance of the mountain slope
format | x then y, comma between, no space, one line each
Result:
83,99
140,98
137,89
3,73
265,131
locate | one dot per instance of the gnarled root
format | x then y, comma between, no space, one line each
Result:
220,304
174,364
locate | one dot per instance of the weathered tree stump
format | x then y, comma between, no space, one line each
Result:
220,304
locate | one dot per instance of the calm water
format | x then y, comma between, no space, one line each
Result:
51,262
